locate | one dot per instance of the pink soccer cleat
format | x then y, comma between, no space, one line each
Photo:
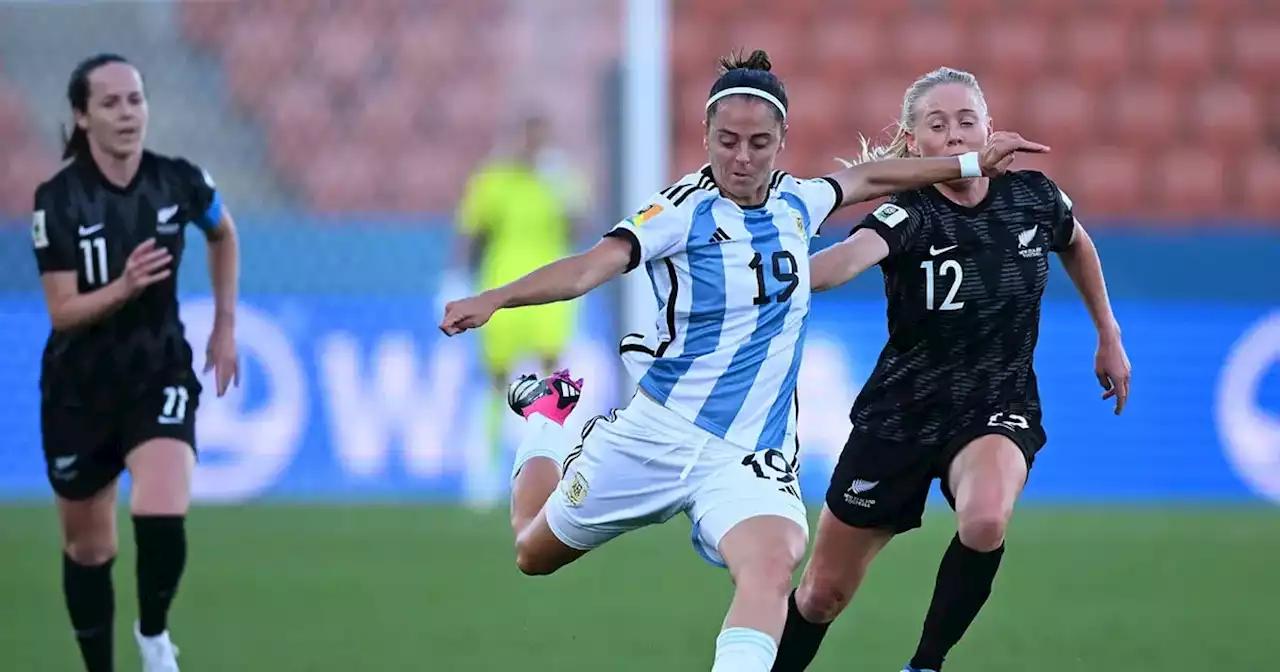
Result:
554,397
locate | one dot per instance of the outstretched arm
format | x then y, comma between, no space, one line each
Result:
568,278
845,260
874,179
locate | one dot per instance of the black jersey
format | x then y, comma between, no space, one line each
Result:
964,286
87,225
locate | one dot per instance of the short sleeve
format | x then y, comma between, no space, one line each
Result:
205,201
1064,220
51,235
658,230
896,224
821,196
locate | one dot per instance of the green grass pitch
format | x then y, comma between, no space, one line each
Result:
328,589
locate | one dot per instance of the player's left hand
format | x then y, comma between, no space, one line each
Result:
1111,365
997,155
221,358
469,313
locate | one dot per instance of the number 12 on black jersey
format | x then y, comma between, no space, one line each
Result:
948,267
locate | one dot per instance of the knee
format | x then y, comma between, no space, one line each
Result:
983,532
821,598
770,573
91,550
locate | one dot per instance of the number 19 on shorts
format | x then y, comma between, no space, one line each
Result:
950,267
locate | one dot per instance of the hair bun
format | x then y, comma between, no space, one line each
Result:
758,60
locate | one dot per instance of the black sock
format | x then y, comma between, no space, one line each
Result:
162,554
800,640
91,602
964,583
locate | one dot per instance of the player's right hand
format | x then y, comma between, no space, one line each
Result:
996,157
146,266
469,313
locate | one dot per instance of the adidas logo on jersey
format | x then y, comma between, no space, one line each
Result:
719,236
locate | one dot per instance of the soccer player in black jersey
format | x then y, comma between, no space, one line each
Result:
117,386
954,394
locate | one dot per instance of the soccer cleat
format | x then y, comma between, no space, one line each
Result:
554,396
158,653
908,668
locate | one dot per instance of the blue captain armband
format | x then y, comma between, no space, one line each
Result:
211,218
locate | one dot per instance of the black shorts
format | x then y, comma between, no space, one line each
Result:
85,447
885,484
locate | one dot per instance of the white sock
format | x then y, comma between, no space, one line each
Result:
744,650
542,438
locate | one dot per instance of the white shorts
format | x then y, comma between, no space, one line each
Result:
645,464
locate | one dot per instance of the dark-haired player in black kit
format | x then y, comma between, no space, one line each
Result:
117,386
953,395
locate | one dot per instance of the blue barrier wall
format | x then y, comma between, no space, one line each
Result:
350,393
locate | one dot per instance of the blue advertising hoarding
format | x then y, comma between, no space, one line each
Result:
350,393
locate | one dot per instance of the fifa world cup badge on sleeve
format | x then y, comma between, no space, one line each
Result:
890,214
39,231
646,214
575,490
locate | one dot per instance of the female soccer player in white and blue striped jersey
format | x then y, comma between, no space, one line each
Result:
710,431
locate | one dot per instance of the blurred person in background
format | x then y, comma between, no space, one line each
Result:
118,391
710,431
517,213
954,394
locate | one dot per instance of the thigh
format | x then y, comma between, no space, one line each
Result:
730,485
82,450
968,456
880,484
159,436
625,475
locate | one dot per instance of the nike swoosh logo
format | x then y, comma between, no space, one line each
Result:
935,251
164,215
89,230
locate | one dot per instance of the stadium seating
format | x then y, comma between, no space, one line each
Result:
22,161
351,95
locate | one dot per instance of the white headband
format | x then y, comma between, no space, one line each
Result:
750,91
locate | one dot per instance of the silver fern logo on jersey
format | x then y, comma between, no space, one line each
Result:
1027,237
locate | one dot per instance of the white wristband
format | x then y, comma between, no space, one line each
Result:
969,166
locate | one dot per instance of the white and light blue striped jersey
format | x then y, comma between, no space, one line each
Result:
732,286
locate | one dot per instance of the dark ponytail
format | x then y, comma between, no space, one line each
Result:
76,143
752,72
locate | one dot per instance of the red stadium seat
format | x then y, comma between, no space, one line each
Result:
846,48
1190,183
22,169
1261,185
1254,49
1014,49
13,118
921,44
387,116
299,119
416,182
344,51
816,111
1179,51
1061,114
1143,115
879,106
1229,114
1096,50
344,178
1105,180
259,54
